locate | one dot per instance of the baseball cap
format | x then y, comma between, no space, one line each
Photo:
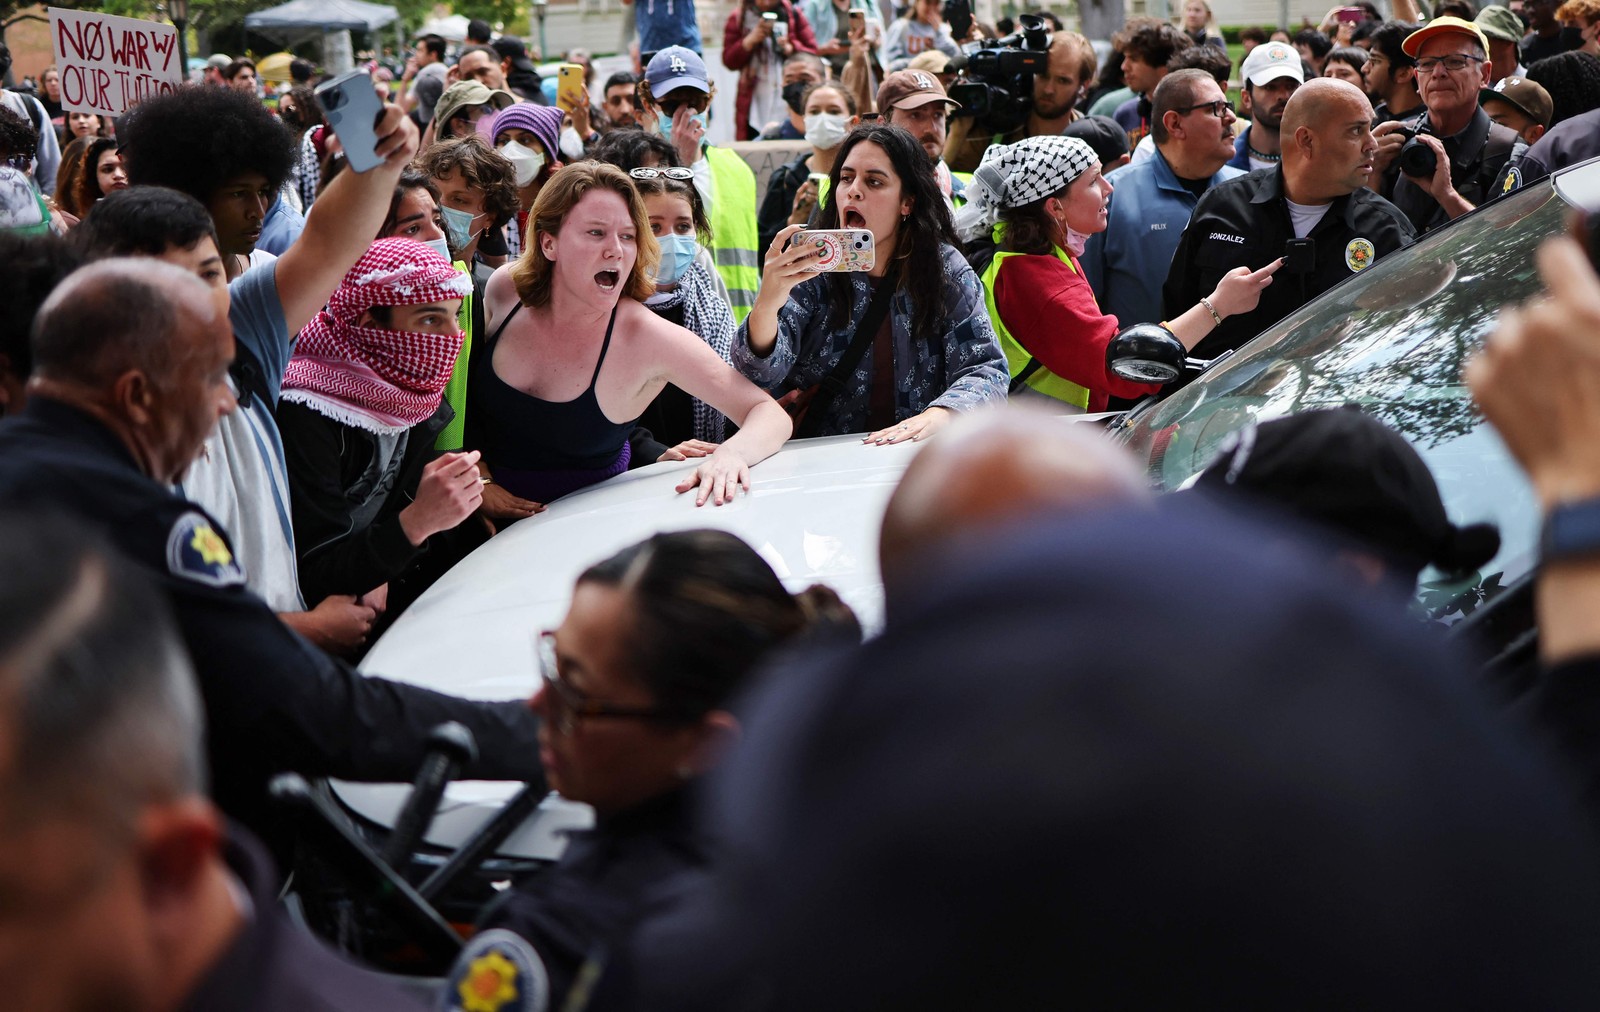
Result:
511,48
1446,25
464,95
219,61
911,89
676,67
1499,23
1270,61
1528,96
1102,133
1345,470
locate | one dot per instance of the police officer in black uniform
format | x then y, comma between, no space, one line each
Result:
1313,210
131,359
124,887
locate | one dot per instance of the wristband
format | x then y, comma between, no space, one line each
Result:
1571,532
1216,318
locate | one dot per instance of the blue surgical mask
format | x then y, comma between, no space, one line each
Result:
459,224
664,123
439,246
677,253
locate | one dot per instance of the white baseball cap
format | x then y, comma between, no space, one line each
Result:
1270,61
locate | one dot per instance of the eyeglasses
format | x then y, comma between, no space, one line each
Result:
671,172
670,109
1454,64
568,707
1211,108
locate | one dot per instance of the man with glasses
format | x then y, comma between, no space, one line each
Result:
1314,210
1192,125
1469,149
1390,76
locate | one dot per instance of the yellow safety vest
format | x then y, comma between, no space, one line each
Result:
734,237
960,199
454,434
1041,380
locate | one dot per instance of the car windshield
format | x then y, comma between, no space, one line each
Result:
1393,339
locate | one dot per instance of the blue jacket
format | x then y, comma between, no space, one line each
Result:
1127,263
1241,151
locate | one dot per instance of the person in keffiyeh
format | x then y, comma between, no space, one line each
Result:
362,402
1040,199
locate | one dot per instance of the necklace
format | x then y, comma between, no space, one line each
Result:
1263,156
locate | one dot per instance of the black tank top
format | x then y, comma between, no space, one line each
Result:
528,433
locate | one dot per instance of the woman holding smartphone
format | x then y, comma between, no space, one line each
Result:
574,357
934,353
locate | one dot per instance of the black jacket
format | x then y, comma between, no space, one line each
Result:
276,966
778,203
1245,222
273,701
331,475
1477,156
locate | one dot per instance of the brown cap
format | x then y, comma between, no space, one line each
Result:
911,89
1528,96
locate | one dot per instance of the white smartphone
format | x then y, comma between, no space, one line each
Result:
353,109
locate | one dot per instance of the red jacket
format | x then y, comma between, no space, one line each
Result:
736,57
1052,312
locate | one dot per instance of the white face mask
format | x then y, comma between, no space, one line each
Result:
571,145
525,160
824,131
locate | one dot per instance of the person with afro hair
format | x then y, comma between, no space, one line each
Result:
221,147
1573,81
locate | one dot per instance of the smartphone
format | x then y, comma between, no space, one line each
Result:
569,86
1352,14
843,249
770,16
353,109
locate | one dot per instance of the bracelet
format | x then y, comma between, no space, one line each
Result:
1216,319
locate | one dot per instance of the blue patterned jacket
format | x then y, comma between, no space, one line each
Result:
958,369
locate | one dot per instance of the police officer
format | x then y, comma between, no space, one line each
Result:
124,886
1313,210
130,375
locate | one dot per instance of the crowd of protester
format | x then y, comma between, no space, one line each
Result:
268,400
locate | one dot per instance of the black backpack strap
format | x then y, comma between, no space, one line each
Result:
833,384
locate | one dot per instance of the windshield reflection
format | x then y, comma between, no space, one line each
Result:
1394,340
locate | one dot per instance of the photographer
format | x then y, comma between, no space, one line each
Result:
1055,96
1443,164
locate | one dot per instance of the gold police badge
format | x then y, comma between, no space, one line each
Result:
1358,255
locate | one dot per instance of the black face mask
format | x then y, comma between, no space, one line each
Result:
792,94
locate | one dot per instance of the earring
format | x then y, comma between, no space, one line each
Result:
904,218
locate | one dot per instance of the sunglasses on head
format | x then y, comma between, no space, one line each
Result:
671,172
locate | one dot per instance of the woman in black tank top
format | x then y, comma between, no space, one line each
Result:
588,261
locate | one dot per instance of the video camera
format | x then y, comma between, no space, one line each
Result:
996,85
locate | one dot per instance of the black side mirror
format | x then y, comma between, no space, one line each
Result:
1146,353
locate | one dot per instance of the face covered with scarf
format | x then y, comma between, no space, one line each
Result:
1062,171
379,356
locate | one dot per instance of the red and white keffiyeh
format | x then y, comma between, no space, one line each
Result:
372,377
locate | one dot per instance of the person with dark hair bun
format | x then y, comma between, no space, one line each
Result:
638,680
935,354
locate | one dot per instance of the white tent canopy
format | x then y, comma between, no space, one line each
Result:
451,29
322,15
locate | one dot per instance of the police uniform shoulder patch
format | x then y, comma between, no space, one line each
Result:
1513,180
1358,254
195,551
498,971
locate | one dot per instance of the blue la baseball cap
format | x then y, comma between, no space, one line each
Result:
676,67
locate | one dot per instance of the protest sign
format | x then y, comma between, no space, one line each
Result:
108,63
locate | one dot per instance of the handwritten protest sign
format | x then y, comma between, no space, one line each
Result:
108,63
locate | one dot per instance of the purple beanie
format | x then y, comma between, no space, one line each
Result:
543,121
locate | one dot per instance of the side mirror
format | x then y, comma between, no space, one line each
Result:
1146,353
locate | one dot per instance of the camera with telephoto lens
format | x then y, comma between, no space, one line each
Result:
1416,158
996,85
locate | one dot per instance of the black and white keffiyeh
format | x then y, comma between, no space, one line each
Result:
1013,175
